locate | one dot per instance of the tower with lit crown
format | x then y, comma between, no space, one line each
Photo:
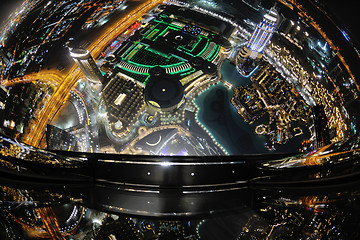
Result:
87,65
257,43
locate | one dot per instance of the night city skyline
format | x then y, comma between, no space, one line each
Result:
179,119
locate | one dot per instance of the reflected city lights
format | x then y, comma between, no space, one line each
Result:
169,119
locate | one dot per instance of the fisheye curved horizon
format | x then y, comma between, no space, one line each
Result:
169,119
237,82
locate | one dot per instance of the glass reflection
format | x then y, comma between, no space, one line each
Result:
264,214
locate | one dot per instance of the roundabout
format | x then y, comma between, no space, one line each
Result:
163,93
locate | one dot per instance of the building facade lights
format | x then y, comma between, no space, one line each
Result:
249,54
87,65
264,31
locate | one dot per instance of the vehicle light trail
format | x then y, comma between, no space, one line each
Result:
72,76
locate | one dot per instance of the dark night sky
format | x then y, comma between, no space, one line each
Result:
347,12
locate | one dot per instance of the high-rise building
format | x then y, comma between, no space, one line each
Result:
263,32
59,139
322,131
87,65
247,56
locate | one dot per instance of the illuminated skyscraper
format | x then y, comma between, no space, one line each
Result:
259,39
263,31
87,65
